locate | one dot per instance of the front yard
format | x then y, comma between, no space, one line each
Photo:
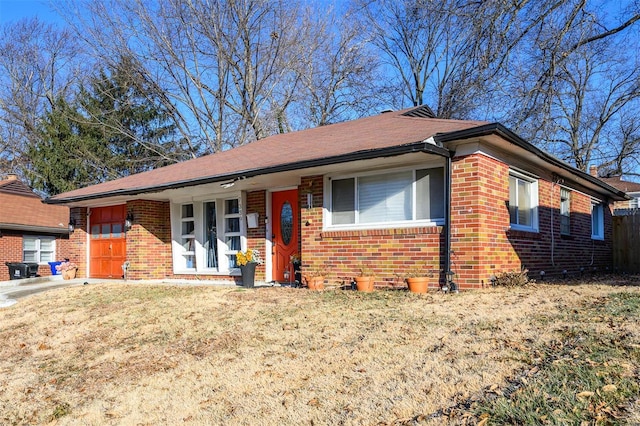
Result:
149,354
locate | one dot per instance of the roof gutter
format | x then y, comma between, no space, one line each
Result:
32,228
500,130
421,146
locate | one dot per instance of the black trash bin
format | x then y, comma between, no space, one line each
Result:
32,269
19,270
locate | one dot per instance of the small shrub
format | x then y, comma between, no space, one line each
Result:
512,279
61,410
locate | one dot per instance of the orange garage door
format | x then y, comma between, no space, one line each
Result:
108,244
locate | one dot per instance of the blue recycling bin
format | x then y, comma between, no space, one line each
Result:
53,265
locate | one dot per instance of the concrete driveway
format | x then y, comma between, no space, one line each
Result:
11,291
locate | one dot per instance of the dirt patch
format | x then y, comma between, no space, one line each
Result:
149,354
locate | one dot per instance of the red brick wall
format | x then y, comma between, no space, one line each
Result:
11,251
554,253
77,246
479,219
387,253
257,203
483,245
149,240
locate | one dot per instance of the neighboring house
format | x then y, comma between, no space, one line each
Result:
30,231
632,189
387,192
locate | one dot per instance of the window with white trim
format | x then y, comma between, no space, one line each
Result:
188,236
207,235
633,202
597,220
565,211
210,242
38,249
232,231
397,197
523,202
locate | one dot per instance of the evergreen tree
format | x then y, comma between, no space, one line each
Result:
114,129
130,121
58,160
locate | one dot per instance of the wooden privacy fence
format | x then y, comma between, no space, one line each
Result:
626,243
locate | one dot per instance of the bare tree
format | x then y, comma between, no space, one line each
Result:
447,54
555,70
592,97
37,65
623,153
228,70
574,81
341,76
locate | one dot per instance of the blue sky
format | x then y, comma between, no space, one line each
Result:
14,10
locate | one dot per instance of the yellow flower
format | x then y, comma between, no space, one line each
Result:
249,256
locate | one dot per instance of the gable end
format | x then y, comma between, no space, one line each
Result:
423,111
16,187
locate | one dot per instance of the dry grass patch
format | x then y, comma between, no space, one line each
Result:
143,354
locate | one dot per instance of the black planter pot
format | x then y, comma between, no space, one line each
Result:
248,272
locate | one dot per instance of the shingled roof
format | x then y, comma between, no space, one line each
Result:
289,150
22,209
382,135
622,185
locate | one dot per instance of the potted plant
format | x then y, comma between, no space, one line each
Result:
418,279
248,260
364,281
296,261
314,276
68,269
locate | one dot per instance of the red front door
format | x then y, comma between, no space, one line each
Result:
286,219
108,249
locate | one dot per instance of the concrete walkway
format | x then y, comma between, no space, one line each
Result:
11,291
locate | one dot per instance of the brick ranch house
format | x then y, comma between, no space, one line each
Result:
388,192
30,231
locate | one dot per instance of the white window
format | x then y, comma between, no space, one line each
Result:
597,220
232,230
187,235
565,211
523,202
211,235
207,235
398,197
633,202
38,249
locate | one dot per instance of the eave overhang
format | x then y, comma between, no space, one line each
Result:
31,228
427,146
506,134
